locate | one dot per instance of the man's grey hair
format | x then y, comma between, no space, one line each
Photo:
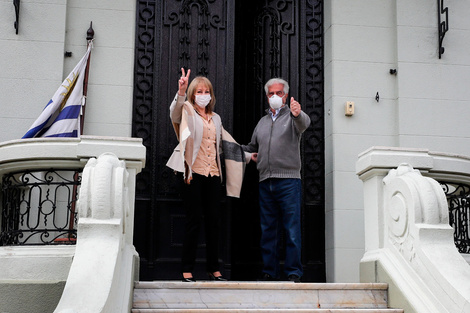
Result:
273,81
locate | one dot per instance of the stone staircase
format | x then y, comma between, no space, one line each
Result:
212,297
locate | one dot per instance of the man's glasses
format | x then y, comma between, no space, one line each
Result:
278,93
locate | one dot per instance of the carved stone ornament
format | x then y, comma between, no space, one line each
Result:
411,199
103,194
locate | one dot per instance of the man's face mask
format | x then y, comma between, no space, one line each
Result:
275,102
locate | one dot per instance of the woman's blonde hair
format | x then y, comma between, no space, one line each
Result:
192,91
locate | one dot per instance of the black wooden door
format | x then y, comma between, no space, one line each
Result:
238,45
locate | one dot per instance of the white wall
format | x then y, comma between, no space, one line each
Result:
425,105
109,106
433,91
31,62
33,66
359,52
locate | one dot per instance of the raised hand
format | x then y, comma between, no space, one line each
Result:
295,107
183,82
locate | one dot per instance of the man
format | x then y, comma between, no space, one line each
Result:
275,146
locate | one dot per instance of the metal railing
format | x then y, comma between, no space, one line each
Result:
458,200
39,207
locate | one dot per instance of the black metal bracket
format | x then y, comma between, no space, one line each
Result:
16,3
443,26
90,32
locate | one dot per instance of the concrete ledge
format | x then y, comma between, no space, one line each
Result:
30,296
35,263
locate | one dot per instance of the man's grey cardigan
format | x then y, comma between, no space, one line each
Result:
278,144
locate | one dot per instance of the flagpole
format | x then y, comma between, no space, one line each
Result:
89,37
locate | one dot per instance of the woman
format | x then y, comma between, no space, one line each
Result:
199,132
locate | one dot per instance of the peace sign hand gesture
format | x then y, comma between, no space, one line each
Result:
183,82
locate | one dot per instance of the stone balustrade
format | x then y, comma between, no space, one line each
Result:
96,274
409,243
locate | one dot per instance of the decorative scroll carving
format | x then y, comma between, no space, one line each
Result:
103,194
399,209
398,224
410,199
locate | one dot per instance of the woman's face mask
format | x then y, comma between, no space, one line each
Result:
275,102
203,100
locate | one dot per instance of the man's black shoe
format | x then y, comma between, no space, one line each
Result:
266,277
294,278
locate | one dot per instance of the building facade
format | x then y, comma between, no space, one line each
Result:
383,56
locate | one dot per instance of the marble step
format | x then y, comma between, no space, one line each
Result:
174,296
267,310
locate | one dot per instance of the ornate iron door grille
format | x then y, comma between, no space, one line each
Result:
281,39
172,34
39,207
238,45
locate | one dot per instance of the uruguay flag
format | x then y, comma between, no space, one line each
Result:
61,116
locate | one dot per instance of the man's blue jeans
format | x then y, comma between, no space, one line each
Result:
280,200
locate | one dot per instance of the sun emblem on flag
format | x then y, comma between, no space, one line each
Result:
66,94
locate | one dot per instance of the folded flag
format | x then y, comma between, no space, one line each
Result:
61,116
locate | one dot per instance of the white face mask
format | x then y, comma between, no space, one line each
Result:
275,102
203,100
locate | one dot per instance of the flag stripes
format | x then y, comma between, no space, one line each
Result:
61,116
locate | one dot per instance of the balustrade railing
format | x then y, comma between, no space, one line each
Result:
458,200
38,207
408,242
